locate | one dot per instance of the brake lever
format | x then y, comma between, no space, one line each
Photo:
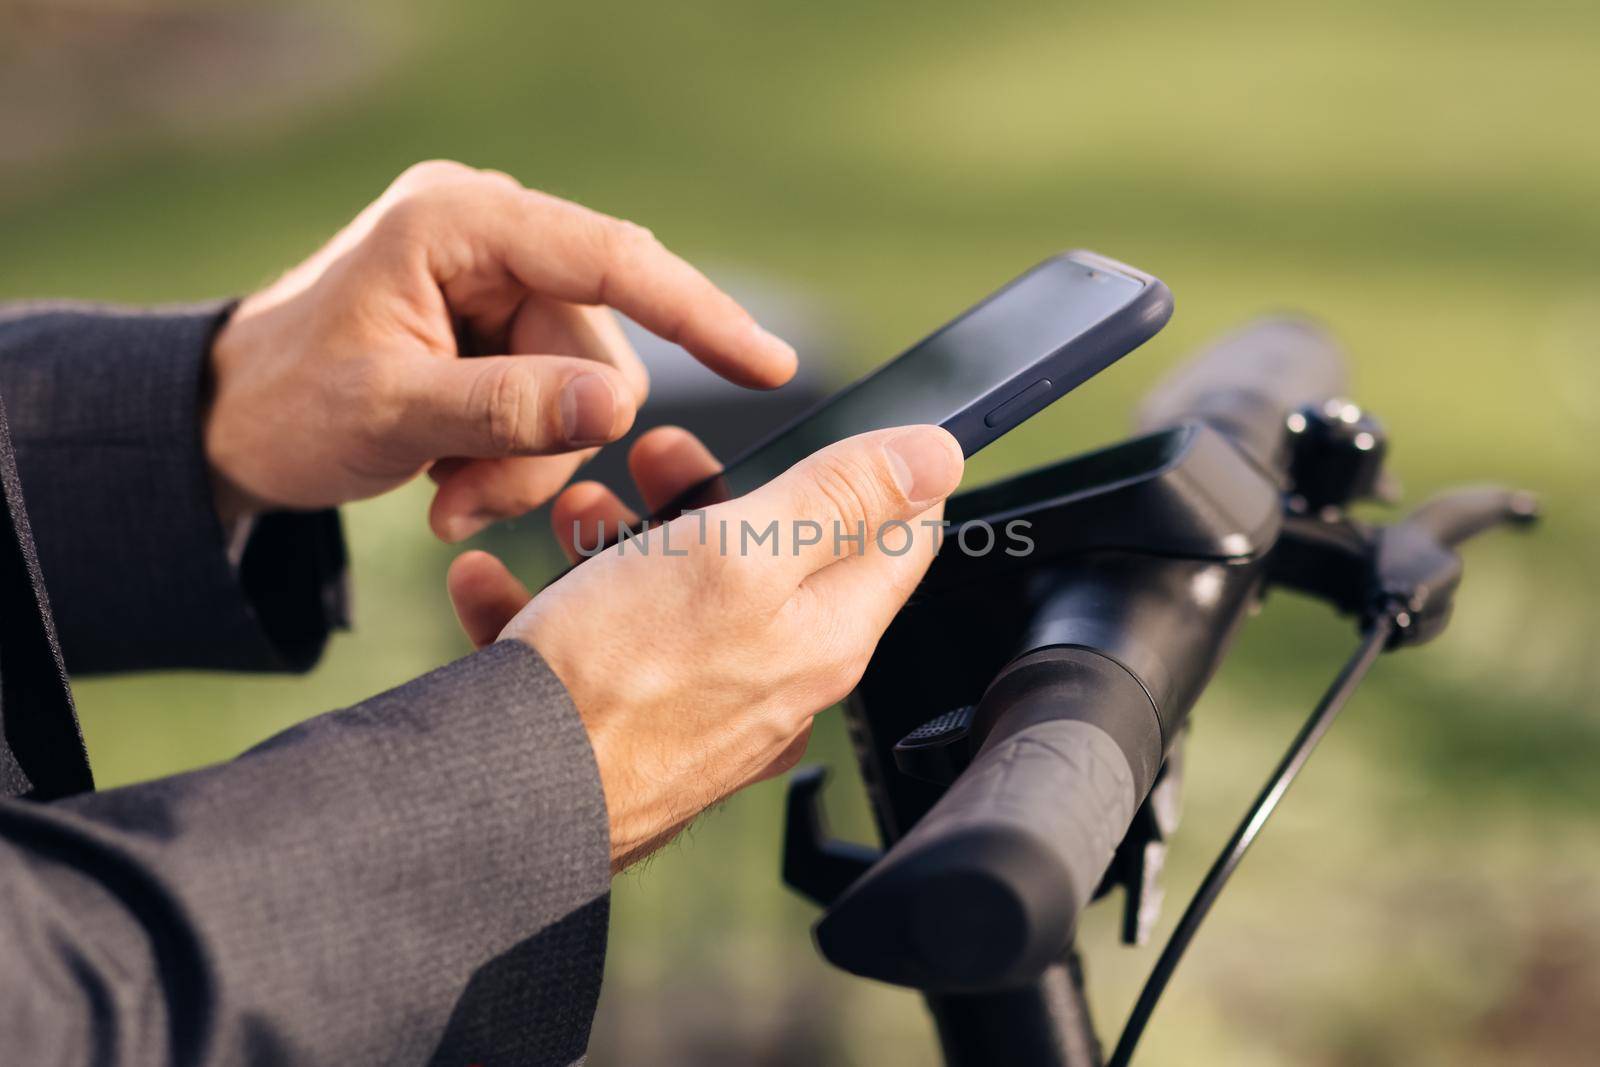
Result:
1415,567
1462,514
1407,571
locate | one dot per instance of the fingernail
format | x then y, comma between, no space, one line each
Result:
925,465
765,336
588,410
771,341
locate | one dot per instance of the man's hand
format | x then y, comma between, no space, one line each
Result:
345,379
699,673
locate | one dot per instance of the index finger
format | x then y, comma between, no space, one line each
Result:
572,253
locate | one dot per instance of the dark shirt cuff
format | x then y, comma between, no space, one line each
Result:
104,407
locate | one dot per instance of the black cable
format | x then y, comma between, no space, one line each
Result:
1356,668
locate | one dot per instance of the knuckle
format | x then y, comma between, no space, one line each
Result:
778,736
523,497
793,752
509,408
784,720
741,587
499,178
430,173
843,488
732,577
422,188
843,660
628,253
773,733
836,658
843,677
408,219
367,381
371,389
855,665
627,242
634,236
844,670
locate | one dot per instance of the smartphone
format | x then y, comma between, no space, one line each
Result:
981,375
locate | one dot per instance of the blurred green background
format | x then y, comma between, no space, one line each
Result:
1423,176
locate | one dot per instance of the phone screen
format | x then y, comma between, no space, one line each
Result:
947,373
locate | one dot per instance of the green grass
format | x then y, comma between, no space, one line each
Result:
1422,176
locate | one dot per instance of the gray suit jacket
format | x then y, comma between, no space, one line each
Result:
421,878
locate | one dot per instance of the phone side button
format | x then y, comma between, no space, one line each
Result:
1019,407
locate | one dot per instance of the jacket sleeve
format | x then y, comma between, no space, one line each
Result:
421,878
104,408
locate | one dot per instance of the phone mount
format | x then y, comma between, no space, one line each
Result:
1157,494
1182,493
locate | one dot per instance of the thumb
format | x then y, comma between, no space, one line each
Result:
486,596
835,502
490,406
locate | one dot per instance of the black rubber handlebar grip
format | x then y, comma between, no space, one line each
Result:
984,891
1248,382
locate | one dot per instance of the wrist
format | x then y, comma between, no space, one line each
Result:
231,501
629,811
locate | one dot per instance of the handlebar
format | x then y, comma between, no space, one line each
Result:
984,891
1248,382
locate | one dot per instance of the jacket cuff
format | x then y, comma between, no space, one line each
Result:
104,408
